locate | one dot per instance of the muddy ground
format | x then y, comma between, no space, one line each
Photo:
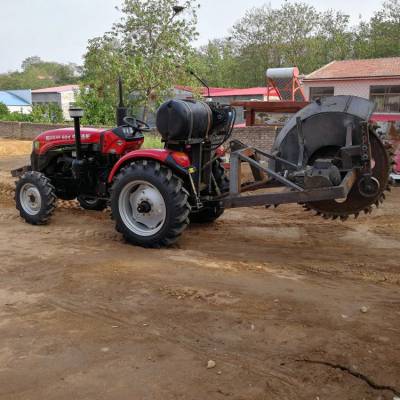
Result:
273,297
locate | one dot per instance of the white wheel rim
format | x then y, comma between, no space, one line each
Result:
30,199
142,208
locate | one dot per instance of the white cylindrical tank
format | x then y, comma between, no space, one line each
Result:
282,73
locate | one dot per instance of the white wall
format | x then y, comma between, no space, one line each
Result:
20,109
351,87
66,99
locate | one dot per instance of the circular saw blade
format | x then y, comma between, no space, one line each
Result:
356,203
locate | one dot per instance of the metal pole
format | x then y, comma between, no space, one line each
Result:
78,143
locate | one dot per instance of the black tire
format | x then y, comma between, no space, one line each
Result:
92,204
208,215
172,193
35,198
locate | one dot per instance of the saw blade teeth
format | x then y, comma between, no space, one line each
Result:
356,215
344,218
377,204
326,216
335,217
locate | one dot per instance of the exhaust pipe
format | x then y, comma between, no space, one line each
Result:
122,111
76,113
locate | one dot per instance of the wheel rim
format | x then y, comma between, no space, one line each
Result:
142,208
30,199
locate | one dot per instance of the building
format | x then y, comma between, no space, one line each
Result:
63,96
17,100
374,79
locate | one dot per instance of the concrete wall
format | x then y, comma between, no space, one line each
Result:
257,136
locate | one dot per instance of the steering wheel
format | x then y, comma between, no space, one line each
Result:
137,124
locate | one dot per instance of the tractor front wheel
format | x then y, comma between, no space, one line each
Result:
35,198
149,204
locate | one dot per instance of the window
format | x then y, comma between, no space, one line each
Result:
321,92
386,98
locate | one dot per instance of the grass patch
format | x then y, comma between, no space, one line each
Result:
152,142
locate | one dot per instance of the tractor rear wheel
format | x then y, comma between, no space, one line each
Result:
92,204
149,204
35,198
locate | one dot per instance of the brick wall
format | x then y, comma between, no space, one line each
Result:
257,136
24,130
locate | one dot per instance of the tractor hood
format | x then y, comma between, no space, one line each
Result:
65,137
88,135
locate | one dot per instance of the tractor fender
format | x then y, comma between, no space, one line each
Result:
324,124
177,161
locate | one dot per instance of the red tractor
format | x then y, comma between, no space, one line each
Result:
326,158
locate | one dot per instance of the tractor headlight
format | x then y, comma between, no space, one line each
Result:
36,145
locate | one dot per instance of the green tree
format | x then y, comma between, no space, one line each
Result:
47,113
28,62
144,48
37,74
4,111
384,35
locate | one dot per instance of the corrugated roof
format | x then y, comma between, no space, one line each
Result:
57,89
255,91
11,99
228,92
370,68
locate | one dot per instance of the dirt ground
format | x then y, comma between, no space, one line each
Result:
274,297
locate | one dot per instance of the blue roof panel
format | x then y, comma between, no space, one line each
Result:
10,99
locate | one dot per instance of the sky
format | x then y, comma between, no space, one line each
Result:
58,30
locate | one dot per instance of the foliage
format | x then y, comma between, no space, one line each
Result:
41,113
37,74
144,48
296,34
47,113
3,110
